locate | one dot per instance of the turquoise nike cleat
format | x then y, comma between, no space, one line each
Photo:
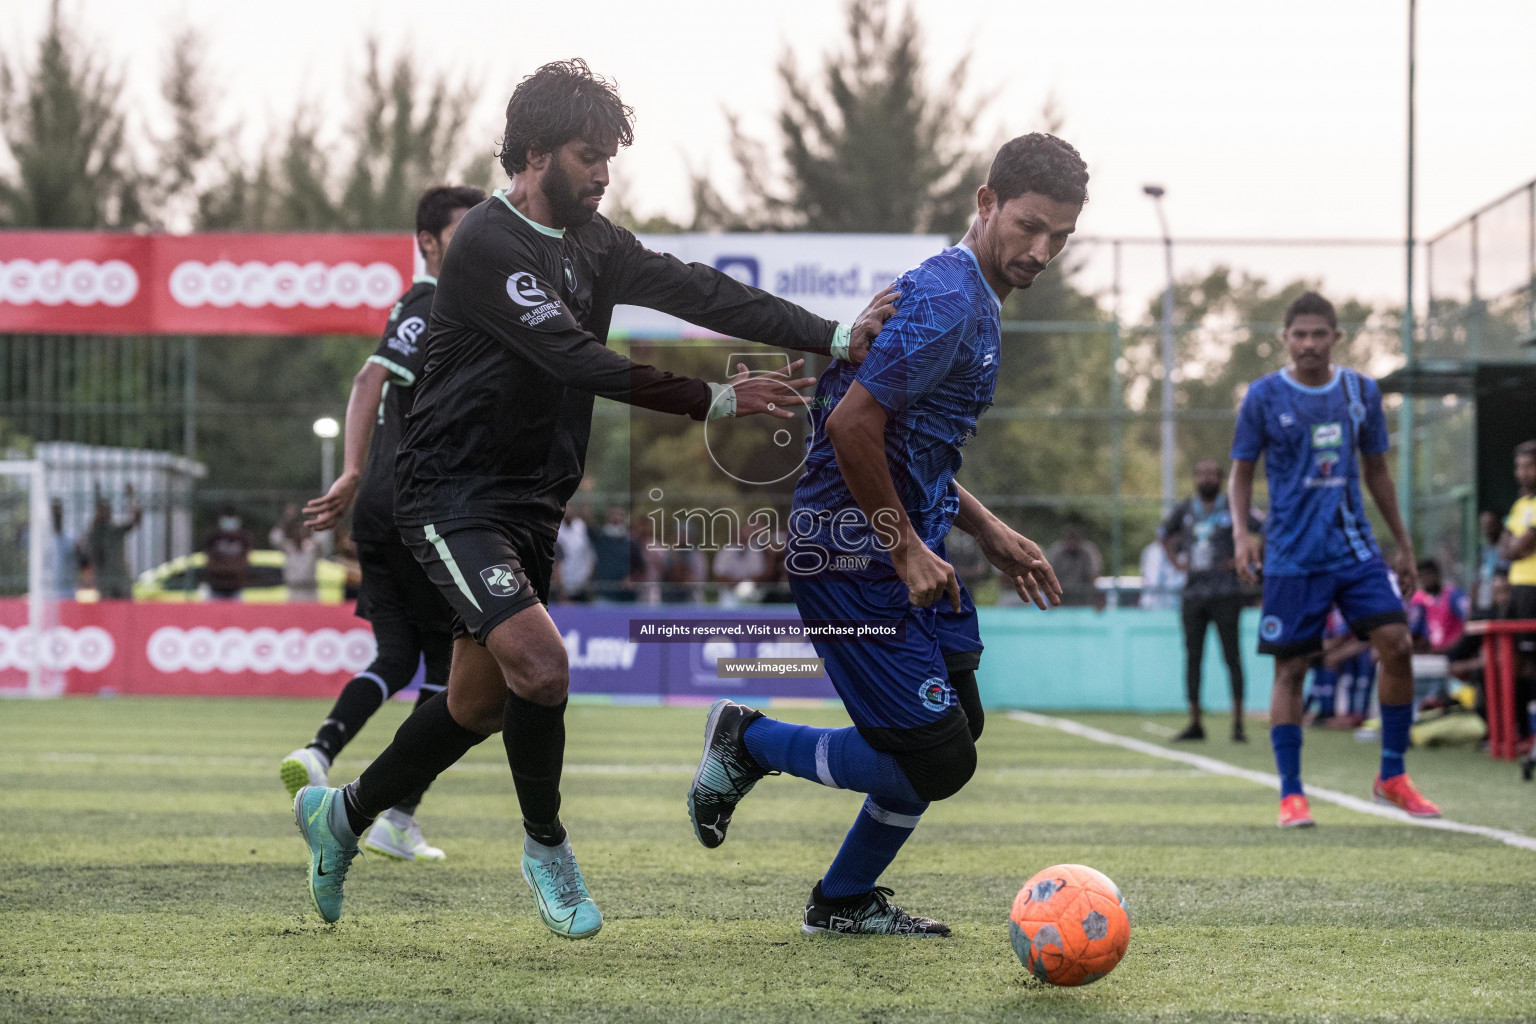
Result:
332,846
564,903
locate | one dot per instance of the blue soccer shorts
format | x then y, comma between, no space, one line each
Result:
897,691
1296,607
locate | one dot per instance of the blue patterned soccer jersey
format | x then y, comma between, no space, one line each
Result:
933,369
1312,439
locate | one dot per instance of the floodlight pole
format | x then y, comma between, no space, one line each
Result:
1170,435
1405,440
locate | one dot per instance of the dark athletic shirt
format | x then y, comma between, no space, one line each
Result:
403,352
499,424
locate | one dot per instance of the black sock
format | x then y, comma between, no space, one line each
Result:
534,735
410,803
427,743
359,699
552,834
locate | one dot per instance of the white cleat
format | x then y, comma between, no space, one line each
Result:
398,835
304,767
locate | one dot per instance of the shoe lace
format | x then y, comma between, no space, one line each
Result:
740,769
564,877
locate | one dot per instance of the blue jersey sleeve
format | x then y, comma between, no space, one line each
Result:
917,346
1373,431
1248,442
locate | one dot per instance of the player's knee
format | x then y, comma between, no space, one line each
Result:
543,676
940,772
1394,646
479,713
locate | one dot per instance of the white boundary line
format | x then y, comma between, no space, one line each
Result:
1215,767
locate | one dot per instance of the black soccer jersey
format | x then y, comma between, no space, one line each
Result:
501,418
403,352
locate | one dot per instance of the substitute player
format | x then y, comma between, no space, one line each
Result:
495,444
1320,429
411,622
867,543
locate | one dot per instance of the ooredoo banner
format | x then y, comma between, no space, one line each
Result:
65,282
311,650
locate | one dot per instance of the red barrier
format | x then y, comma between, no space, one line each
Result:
1500,670
76,282
206,649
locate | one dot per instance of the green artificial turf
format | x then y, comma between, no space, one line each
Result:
153,872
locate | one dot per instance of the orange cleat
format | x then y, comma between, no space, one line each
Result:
1294,812
1400,792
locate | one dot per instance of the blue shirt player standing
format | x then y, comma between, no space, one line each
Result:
1321,431
866,544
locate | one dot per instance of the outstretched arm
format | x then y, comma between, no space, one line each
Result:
1020,558
326,511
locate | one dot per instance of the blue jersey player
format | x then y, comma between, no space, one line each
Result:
1321,430
867,545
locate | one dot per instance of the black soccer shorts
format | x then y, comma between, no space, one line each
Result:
488,571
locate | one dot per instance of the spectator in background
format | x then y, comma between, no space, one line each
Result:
301,554
106,549
1466,655
574,558
685,568
1490,564
1078,564
1436,611
64,557
615,559
229,557
1197,536
1517,544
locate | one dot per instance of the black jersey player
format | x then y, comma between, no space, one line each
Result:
411,621
494,448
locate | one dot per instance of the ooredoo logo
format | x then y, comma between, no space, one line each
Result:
284,284
78,282
261,650
523,289
62,649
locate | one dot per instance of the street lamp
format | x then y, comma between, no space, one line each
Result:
1170,439
326,429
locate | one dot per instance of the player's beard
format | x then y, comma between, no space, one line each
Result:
1209,491
564,203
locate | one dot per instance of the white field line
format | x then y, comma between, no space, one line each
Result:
1215,767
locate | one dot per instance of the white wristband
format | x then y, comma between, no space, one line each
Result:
842,341
722,401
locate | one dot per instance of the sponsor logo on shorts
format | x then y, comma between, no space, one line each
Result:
935,693
1270,628
501,581
1327,435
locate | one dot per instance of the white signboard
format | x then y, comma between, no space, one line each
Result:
833,276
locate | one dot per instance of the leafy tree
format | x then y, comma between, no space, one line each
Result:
875,147
62,125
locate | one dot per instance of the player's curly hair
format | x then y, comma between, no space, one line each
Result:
559,102
1312,304
1042,164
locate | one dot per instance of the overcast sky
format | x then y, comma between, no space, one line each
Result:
1260,118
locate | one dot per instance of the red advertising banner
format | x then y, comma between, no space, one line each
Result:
67,282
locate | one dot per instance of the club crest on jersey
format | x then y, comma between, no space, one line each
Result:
1326,461
501,581
1327,435
934,693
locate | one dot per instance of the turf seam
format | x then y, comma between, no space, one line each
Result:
1215,767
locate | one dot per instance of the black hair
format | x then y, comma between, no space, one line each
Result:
559,102
1312,304
1038,163
435,207
1429,565
1525,450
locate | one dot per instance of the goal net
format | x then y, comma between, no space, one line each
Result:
28,606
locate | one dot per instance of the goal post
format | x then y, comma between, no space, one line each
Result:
30,605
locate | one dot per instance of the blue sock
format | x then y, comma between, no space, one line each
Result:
839,758
1286,739
871,845
1396,720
